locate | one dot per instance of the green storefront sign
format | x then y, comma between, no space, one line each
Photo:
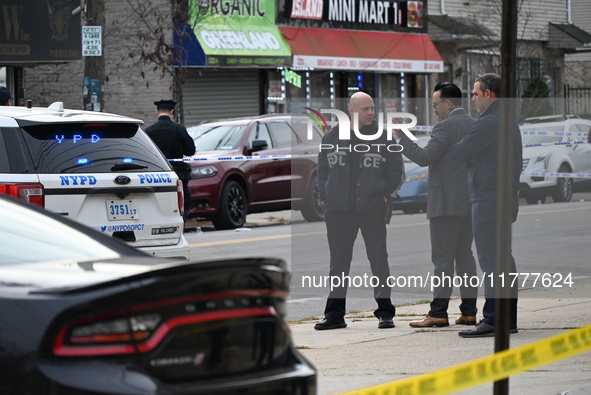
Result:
240,33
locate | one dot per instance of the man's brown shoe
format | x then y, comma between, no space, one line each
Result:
428,322
463,320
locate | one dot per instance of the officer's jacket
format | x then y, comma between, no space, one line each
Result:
380,173
172,138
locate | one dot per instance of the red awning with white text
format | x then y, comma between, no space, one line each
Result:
361,50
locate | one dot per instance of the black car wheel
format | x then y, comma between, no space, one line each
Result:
313,211
564,187
232,208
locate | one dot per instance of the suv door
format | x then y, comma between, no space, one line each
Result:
583,152
264,173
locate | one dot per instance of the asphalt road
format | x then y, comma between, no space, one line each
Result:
552,239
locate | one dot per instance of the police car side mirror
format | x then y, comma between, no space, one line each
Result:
259,145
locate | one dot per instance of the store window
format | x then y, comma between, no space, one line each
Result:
3,76
275,92
358,81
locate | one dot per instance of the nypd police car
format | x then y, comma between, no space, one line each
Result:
96,168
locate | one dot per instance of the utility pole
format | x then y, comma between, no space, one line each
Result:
94,20
505,179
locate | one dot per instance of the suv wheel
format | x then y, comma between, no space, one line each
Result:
313,211
232,208
564,187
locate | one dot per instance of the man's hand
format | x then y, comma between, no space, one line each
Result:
397,132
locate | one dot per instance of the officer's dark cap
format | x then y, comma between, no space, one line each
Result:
168,104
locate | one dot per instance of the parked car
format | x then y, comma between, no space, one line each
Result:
551,158
411,198
99,169
225,189
83,313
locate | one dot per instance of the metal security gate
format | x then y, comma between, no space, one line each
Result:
577,101
221,94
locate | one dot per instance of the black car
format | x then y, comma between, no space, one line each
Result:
83,313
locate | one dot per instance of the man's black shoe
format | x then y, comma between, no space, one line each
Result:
330,324
482,330
386,322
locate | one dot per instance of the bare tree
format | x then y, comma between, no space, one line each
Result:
156,33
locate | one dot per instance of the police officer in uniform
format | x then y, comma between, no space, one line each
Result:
174,142
355,181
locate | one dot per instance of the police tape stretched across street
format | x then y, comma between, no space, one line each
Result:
546,280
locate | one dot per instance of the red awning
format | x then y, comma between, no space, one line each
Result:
361,50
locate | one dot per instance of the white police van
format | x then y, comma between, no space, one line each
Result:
99,169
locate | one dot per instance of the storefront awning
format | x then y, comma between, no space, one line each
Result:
232,46
361,50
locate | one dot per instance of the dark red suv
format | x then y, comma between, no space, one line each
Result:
279,175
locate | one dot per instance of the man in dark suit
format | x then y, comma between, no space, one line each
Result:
448,206
480,148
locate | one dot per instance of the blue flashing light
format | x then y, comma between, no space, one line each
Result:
127,160
83,161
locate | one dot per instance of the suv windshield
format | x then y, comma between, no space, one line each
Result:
219,138
96,147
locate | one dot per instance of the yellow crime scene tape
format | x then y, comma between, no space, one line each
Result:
492,368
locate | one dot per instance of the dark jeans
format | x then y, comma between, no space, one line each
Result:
484,224
451,242
342,228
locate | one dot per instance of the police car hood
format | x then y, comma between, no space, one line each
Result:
534,152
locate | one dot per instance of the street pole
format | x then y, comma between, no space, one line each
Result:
93,62
505,181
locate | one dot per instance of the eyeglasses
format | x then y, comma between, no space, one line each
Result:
436,103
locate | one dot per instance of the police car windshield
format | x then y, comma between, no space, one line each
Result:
220,138
76,148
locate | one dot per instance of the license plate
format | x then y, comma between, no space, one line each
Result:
164,231
121,209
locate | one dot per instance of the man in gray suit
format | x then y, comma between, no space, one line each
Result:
448,206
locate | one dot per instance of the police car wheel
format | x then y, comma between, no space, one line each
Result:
564,187
232,207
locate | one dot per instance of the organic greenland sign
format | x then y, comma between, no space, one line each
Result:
240,40
239,33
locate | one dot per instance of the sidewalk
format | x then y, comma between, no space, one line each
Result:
362,355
